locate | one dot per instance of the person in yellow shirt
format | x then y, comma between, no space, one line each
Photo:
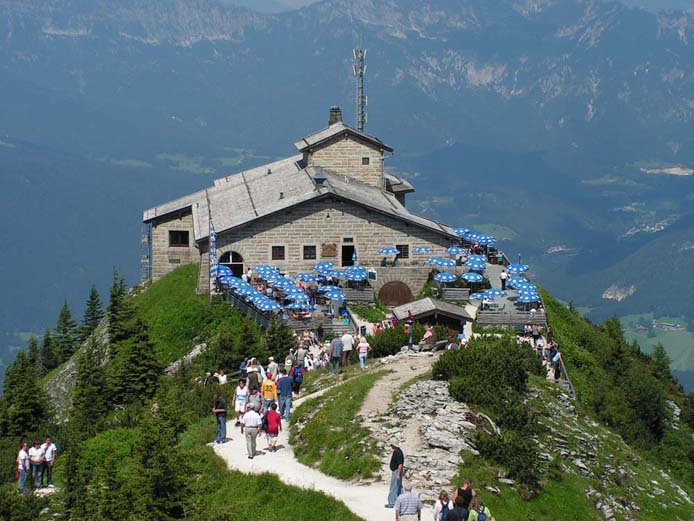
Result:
268,390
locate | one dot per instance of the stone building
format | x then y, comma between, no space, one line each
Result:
333,197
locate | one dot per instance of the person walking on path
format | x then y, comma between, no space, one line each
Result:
273,367
335,355
253,378
289,361
273,423
459,512
443,507
347,346
297,374
51,452
250,427
269,392
22,467
503,277
397,467
408,506
478,511
363,349
255,401
219,408
464,494
284,387
301,354
240,399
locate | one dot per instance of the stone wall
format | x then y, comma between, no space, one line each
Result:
344,156
324,224
166,258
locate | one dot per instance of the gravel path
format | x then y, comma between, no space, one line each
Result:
366,501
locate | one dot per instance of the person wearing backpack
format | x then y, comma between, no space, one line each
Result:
297,374
478,512
443,507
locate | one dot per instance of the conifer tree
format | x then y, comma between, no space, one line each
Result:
278,338
661,361
23,406
120,310
134,369
89,400
93,313
36,357
65,335
48,354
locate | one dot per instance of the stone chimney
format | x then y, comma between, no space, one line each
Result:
335,115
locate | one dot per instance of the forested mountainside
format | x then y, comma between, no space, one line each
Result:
141,435
158,97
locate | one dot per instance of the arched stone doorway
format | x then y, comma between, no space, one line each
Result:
395,293
234,260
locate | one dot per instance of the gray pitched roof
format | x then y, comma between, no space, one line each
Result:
238,199
398,184
336,130
427,306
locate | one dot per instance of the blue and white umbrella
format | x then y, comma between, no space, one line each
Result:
517,269
526,299
355,268
306,277
423,250
268,305
445,276
494,293
223,271
213,252
327,287
433,260
244,290
472,277
335,295
354,255
460,232
486,240
299,297
476,266
476,258
298,305
516,281
263,267
231,281
325,265
456,250
472,235
283,282
441,262
477,296
290,290
254,295
356,276
388,251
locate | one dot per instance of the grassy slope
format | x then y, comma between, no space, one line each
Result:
173,312
262,498
325,435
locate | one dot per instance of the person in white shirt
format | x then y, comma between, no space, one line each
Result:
22,466
503,278
222,378
51,452
36,458
250,426
347,345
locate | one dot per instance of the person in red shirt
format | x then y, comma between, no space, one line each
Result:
273,422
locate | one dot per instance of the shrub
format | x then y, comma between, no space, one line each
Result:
515,451
390,341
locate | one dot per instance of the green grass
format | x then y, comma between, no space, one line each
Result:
372,314
173,312
226,494
325,435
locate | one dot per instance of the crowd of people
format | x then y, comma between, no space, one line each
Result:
263,396
464,505
35,463
542,341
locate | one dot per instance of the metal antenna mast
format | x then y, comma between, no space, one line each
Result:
146,253
359,71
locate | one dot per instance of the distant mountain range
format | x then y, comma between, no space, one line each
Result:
555,123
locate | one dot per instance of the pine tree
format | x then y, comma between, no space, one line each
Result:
278,338
89,402
23,406
134,369
93,313
48,354
36,357
65,335
120,310
661,362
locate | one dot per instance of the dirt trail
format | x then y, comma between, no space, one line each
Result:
365,500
